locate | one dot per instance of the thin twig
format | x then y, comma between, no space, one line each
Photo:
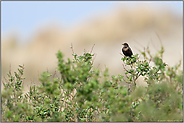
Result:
153,45
92,48
10,69
137,49
148,44
98,65
84,50
54,74
159,38
121,54
125,80
139,43
72,48
125,70
137,77
141,46
94,58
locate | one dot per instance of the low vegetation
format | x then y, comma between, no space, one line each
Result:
84,94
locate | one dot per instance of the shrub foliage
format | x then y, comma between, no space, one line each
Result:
84,94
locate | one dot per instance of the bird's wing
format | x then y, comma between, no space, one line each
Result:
130,51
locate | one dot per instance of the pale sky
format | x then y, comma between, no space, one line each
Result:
26,16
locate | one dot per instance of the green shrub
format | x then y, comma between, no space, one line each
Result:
83,94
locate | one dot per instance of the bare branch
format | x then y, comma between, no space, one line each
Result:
92,48
153,45
159,38
125,70
72,48
121,54
94,58
98,65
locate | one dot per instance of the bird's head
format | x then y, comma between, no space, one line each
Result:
125,45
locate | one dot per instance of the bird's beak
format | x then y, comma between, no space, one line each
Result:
123,44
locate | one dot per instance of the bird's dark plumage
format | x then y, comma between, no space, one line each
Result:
126,50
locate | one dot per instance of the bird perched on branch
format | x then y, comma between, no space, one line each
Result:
126,50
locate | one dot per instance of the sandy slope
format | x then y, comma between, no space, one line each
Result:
107,33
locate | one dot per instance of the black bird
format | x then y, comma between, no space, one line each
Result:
126,50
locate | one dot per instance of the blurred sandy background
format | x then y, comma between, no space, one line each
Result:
107,30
